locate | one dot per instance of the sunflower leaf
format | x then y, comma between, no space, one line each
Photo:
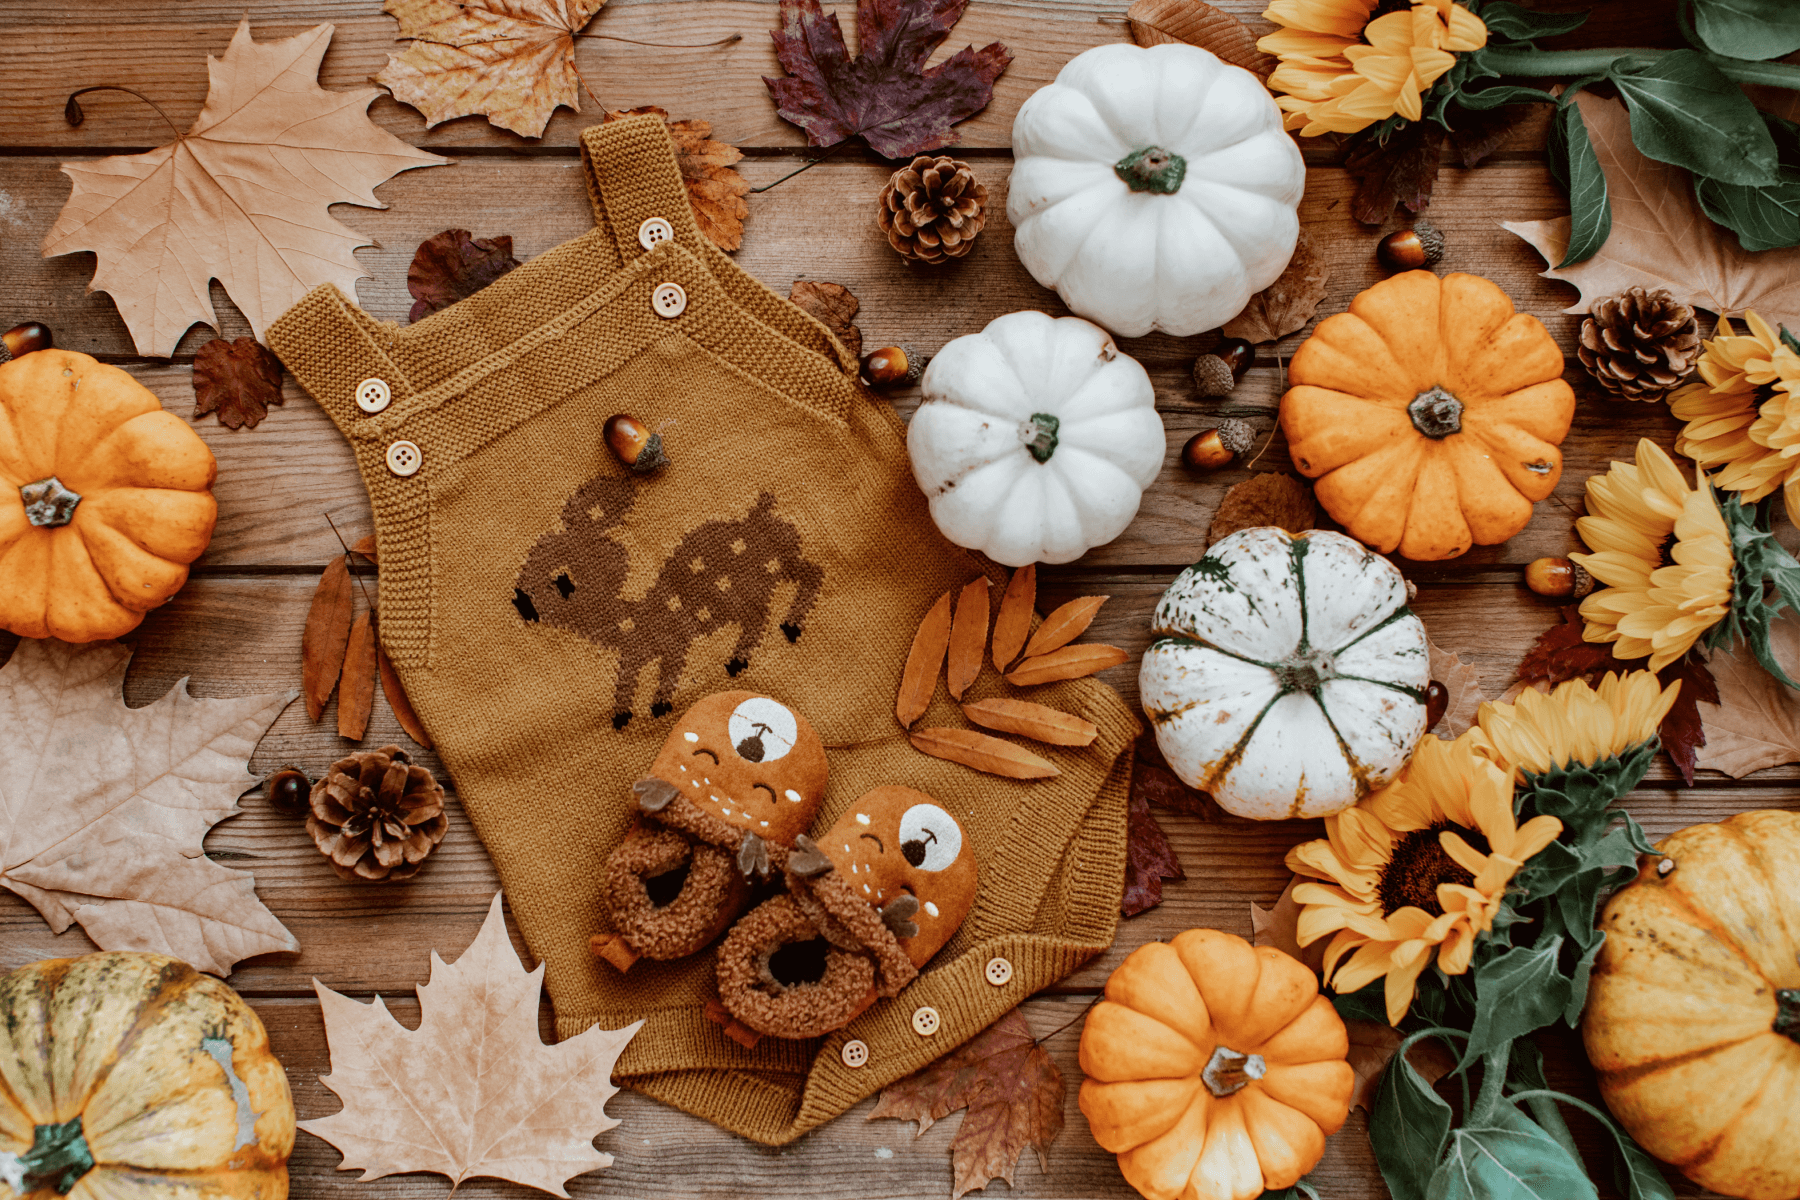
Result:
1685,112
1761,565
1508,20
1516,992
1409,1126
1509,1157
1634,1171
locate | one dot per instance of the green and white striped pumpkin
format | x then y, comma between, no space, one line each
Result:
1288,676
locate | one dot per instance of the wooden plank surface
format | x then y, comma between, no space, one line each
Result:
236,628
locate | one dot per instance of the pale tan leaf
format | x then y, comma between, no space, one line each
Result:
1271,498
103,808
243,197
356,694
327,636
924,662
1071,662
1279,927
1063,626
1155,22
512,61
1372,1047
715,189
1463,683
1756,723
984,753
1660,237
473,1091
1017,607
968,637
1038,722
1289,302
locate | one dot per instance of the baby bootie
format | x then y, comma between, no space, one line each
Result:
866,907
739,778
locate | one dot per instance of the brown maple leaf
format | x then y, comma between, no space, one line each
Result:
512,61
243,197
885,95
1463,683
1013,1092
454,265
1661,238
1400,169
1160,787
1289,302
103,808
1156,22
238,380
835,306
1149,859
473,1091
1279,926
1753,722
1271,498
715,189
1560,654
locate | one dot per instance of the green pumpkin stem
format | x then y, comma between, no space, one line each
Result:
58,1158
1039,435
1153,170
1787,1013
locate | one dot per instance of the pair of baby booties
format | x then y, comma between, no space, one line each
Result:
728,802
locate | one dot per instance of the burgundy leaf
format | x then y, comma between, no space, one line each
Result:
236,379
453,265
1560,654
1160,787
1681,731
1401,169
1149,859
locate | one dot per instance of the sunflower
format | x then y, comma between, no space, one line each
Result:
1540,731
1661,548
1742,413
1341,71
1417,867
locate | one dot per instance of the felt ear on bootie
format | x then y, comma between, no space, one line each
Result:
866,907
738,779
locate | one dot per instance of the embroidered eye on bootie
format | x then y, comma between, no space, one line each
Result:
740,777
866,907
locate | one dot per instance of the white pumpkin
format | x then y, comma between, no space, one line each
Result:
1154,188
1035,440
1288,676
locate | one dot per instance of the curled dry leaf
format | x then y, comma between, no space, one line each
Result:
1063,626
924,662
1681,731
327,636
356,693
1038,722
1156,22
1755,722
1400,168
365,546
1272,498
1463,683
1372,1047
982,752
1289,302
238,380
1071,662
1149,859
454,265
835,307
968,637
395,692
1013,624
715,189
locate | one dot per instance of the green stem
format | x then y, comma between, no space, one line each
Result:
1529,63
1493,1079
1551,1118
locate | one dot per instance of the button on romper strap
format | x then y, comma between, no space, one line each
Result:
635,185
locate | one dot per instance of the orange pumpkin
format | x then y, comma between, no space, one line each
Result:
1430,413
104,498
1693,1014
1215,1070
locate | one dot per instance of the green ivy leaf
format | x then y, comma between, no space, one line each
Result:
1510,21
1517,991
1685,112
1764,218
1577,168
1754,29
1508,1158
1409,1126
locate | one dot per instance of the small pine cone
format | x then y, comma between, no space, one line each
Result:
1640,343
932,209
376,815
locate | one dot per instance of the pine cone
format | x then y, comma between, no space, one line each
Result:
932,209
376,815
1640,343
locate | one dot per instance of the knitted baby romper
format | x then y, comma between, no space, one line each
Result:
550,613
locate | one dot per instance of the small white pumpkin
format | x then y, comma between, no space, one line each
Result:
1036,439
1288,676
1154,188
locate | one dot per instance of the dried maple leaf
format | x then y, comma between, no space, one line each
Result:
1681,731
835,307
1401,170
1149,859
1560,654
237,380
1661,238
1463,683
1160,787
1279,926
512,61
454,265
103,808
1272,498
472,1091
885,94
1754,721
1372,1047
243,197
1013,1092
715,190
1156,22
1289,302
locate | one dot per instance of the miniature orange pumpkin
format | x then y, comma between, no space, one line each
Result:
104,498
1215,1070
1430,413
1693,1015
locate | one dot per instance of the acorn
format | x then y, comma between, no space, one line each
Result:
1558,578
289,791
1213,448
892,367
1437,699
1217,373
634,445
23,339
1411,249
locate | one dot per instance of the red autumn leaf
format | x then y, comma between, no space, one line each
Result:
1012,1089
1560,654
1682,735
236,379
1400,170
1149,859
453,265
1160,787
884,94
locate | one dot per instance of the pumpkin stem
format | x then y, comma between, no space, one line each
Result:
1787,1013
58,1158
48,503
1152,169
1229,1071
1436,413
1039,435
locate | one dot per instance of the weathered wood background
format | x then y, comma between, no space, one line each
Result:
236,628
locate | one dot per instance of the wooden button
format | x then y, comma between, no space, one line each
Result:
998,972
926,1020
404,459
855,1053
373,395
669,300
653,232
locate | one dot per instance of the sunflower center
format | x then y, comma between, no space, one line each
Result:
1384,8
1419,864
1666,550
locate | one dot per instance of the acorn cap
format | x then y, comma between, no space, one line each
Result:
1237,436
1212,376
1431,239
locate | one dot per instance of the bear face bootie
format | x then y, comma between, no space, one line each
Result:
739,778
866,907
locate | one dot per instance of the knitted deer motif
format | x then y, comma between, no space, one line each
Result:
722,573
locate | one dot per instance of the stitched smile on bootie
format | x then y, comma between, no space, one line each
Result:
740,777
866,907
